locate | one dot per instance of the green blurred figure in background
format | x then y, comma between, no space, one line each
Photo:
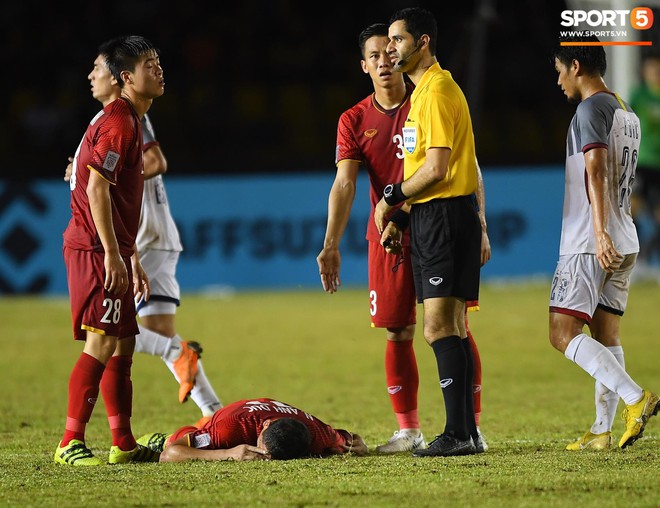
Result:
645,101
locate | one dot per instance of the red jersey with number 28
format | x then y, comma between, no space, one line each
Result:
112,146
242,421
371,135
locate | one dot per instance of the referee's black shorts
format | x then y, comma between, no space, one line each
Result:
446,248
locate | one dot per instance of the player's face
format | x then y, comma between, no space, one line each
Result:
567,81
148,79
104,85
651,72
377,62
401,48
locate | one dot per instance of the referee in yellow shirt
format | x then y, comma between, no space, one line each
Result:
440,181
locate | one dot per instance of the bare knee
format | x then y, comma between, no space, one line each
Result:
401,334
563,329
101,347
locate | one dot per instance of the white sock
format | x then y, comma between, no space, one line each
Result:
202,393
606,400
174,351
601,364
151,343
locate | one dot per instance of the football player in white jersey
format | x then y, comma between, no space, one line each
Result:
159,247
599,245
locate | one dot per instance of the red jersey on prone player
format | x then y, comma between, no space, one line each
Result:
242,421
112,146
366,133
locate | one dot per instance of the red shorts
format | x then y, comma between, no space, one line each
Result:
392,302
92,307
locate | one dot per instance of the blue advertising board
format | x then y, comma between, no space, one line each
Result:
264,231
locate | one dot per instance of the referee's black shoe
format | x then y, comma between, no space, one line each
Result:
447,445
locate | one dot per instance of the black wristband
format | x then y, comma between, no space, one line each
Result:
401,219
393,194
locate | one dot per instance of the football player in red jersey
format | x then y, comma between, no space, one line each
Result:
159,246
370,135
100,255
255,429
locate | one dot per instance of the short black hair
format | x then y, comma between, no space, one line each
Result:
287,438
122,53
592,58
375,30
419,21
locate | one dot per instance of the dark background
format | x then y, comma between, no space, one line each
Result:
259,86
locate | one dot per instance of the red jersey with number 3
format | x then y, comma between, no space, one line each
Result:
112,146
242,421
371,135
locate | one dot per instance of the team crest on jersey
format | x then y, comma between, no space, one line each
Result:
409,139
371,133
111,160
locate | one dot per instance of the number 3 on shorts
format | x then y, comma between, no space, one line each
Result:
373,308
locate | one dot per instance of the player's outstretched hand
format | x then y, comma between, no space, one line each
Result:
329,261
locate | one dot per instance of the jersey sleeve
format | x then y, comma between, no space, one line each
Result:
188,431
593,123
148,134
112,142
202,439
327,440
347,146
440,120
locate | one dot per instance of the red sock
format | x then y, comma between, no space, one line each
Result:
117,390
83,392
476,379
402,382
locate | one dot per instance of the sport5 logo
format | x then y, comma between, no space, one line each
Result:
641,18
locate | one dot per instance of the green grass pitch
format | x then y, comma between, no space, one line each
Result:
318,352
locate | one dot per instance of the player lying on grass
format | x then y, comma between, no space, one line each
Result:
255,429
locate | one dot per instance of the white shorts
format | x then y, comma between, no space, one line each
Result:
580,285
160,266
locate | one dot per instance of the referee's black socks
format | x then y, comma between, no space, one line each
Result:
452,365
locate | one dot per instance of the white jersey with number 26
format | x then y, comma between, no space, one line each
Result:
601,121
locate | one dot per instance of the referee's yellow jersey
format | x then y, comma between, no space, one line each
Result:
439,117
